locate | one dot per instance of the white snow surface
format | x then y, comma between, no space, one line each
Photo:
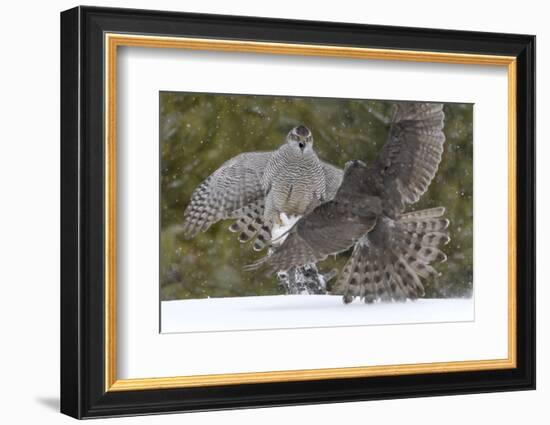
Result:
304,311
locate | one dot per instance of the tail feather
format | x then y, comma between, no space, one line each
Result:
423,270
424,225
390,284
435,239
389,262
263,238
427,213
349,278
429,254
250,225
378,274
412,287
398,289
367,279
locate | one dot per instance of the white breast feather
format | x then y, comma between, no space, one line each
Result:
279,231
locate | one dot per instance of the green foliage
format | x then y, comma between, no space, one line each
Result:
199,132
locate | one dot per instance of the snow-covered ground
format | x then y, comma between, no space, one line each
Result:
304,311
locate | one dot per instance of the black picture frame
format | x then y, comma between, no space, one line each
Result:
83,392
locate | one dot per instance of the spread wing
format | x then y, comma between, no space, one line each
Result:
233,186
409,160
333,178
332,227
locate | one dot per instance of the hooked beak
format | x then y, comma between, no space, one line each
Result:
354,163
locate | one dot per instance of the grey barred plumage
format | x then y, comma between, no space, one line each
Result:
294,180
256,187
387,263
227,193
392,249
405,167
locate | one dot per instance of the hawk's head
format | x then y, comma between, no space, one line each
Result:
300,138
355,174
354,166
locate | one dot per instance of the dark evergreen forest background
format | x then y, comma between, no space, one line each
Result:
199,132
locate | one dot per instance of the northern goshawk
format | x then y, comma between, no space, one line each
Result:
263,190
392,249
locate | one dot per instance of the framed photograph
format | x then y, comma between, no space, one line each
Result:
261,212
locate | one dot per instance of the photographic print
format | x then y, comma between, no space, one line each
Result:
290,212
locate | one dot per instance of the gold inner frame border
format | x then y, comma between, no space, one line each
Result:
113,40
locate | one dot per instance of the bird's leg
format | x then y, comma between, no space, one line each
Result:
305,280
287,281
292,281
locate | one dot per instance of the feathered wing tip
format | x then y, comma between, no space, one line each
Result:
418,111
427,213
228,191
198,215
389,263
250,224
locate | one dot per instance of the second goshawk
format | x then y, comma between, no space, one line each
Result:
264,190
392,249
